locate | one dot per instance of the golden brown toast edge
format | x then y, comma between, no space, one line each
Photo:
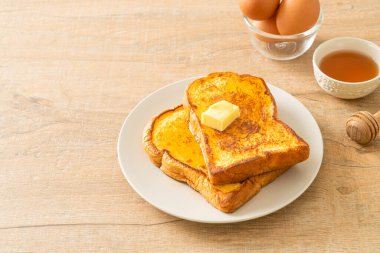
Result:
225,201
249,167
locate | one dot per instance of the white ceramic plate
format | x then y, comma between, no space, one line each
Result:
180,200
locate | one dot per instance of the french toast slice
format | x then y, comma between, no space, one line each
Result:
170,146
255,143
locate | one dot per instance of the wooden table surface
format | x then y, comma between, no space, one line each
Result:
71,71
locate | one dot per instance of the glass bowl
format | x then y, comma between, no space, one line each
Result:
282,47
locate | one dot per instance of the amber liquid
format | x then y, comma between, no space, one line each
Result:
349,66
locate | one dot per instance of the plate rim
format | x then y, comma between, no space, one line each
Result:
236,220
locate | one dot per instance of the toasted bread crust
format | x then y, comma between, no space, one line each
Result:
251,166
225,201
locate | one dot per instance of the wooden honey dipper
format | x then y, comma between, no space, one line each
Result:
363,127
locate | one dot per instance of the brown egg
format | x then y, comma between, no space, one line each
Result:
268,26
297,16
258,9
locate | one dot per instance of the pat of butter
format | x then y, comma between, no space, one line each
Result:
220,115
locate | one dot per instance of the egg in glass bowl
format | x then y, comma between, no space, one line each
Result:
288,33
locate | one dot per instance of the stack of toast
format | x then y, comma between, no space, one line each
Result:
227,167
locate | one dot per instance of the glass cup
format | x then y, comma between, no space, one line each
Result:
282,47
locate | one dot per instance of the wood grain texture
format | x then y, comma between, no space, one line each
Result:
70,72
